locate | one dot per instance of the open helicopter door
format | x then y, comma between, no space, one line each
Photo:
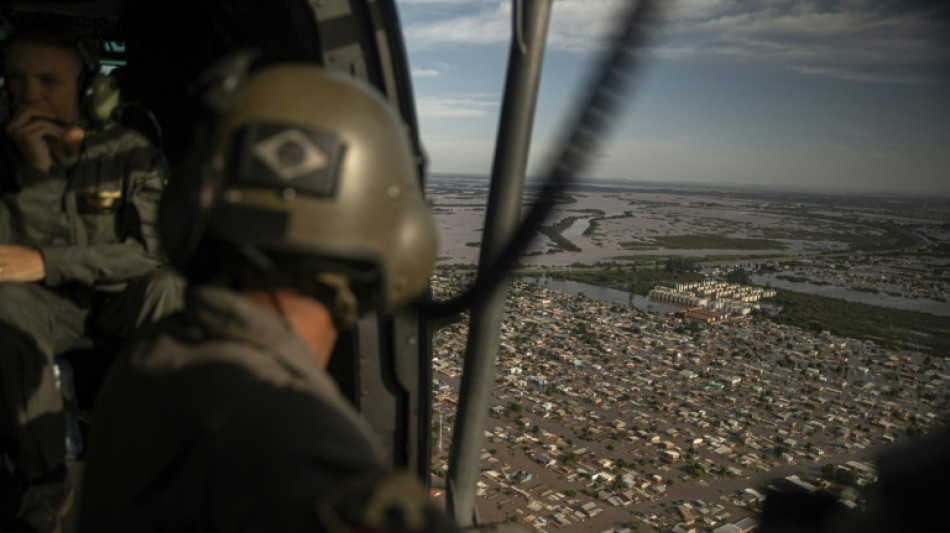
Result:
384,365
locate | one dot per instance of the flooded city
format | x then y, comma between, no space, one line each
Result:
640,386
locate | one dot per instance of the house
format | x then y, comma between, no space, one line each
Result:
797,483
747,524
683,528
591,509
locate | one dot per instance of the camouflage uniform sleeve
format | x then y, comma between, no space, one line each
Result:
135,250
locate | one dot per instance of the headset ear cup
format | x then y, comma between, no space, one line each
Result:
86,84
100,99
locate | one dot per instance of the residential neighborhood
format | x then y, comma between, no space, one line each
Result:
606,418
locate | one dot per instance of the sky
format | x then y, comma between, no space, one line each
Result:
827,95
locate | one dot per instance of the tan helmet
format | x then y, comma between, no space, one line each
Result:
306,161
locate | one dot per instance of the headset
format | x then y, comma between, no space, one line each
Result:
97,94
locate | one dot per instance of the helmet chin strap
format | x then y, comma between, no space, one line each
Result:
338,298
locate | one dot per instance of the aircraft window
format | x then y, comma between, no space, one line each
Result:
603,97
112,53
114,47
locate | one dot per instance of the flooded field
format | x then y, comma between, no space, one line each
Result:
891,253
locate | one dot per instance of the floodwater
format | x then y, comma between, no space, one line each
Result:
870,298
578,228
643,303
604,294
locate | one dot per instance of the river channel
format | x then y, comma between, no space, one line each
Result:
836,291
603,294
643,303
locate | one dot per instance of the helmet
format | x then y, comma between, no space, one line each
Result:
306,162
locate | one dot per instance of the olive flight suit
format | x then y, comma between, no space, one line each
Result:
94,222
220,419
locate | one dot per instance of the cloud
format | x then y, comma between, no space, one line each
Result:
853,40
857,132
424,73
697,9
583,25
490,24
460,107
575,25
843,73
431,2
856,40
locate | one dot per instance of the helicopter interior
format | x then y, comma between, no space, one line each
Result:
158,48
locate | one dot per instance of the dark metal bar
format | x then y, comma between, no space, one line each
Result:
530,21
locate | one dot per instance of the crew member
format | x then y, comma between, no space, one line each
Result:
79,253
301,211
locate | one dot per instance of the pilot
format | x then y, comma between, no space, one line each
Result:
79,253
299,212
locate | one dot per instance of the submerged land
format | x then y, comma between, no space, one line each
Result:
625,415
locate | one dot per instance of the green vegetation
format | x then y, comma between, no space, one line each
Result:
885,326
553,232
695,470
680,264
624,278
799,279
861,238
793,279
738,275
864,238
513,408
843,476
700,242
592,227
595,221
648,259
871,290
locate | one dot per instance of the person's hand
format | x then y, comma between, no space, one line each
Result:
19,263
41,138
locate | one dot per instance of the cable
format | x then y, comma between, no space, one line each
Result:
596,114
159,137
